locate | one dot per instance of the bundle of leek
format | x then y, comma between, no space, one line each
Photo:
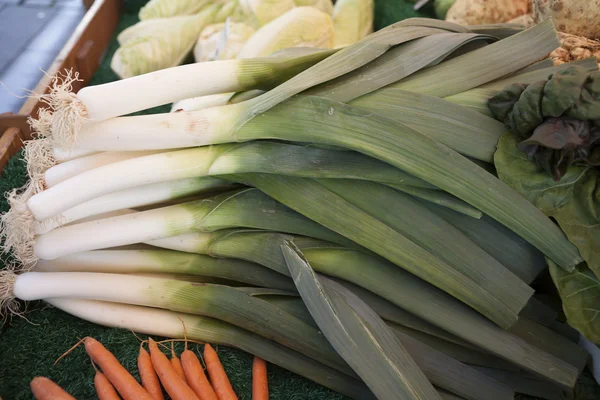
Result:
377,141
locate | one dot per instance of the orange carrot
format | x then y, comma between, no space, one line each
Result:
173,384
148,375
218,377
196,377
104,389
120,378
45,389
260,385
176,363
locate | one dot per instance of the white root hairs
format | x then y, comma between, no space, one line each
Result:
63,121
38,157
42,125
9,305
17,227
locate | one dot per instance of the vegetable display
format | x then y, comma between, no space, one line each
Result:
222,30
370,216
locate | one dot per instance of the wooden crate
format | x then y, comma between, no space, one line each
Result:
82,53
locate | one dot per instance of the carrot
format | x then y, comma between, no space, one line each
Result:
122,380
45,389
149,379
218,377
173,384
196,377
176,363
104,389
260,385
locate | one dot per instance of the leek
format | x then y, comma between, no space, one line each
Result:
139,196
395,285
69,169
331,210
358,334
218,160
464,130
435,235
508,248
242,208
222,302
167,261
460,353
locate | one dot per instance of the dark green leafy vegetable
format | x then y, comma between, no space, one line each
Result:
580,293
556,121
574,203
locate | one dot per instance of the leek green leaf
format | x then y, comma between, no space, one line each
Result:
359,335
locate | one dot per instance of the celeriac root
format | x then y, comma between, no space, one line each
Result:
17,227
575,48
66,114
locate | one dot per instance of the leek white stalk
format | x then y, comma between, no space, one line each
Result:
243,208
138,196
199,103
152,321
217,301
159,261
69,169
61,154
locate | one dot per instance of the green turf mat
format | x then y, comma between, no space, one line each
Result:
29,347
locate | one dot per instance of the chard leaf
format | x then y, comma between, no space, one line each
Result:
580,293
574,202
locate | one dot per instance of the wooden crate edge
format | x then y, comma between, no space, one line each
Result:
10,143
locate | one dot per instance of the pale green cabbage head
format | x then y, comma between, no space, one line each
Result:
299,27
